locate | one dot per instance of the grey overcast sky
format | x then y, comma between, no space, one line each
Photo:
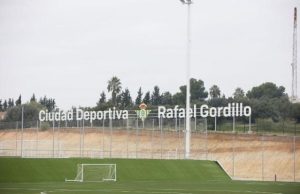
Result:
69,49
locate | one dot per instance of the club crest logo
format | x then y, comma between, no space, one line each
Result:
142,113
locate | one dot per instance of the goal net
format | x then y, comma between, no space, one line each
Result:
95,173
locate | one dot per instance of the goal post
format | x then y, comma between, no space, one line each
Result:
95,173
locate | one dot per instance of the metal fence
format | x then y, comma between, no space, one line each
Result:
241,150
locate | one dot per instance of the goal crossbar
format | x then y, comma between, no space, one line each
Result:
95,173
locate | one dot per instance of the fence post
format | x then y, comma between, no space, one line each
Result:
233,155
160,125
179,139
80,139
176,123
283,126
83,137
22,127
195,124
152,138
206,140
53,138
110,144
233,124
215,123
137,137
37,138
58,141
250,124
103,134
294,158
17,126
262,156
127,129
179,133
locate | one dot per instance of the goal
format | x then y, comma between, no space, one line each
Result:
95,173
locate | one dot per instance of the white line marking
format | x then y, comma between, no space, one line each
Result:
161,191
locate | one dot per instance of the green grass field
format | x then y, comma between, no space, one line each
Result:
133,176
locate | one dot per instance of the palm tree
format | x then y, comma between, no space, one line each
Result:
114,86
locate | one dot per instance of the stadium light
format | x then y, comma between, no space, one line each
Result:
188,93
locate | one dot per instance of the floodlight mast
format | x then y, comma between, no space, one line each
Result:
294,96
188,96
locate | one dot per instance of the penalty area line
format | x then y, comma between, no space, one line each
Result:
236,191
162,191
114,190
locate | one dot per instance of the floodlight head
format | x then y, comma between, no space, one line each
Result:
186,1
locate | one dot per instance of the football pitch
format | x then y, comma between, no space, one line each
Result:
19,175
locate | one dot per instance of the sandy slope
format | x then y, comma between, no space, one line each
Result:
246,156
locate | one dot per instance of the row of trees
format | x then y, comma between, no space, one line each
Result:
31,109
9,103
49,103
122,98
267,100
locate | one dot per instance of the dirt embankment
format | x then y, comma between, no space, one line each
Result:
245,156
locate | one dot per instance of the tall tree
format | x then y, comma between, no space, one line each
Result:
266,90
166,98
147,99
33,99
43,101
198,92
1,106
295,112
19,101
114,86
156,97
102,97
10,103
126,100
49,103
214,91
5,106
102,103
138,99
238,93
179,97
